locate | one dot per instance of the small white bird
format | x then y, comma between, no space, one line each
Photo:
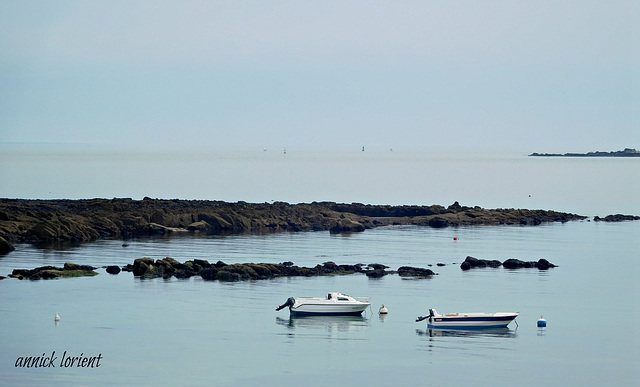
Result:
56,318
383,310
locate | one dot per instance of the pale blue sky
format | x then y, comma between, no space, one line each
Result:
531,76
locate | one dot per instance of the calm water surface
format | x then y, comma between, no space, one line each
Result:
194,332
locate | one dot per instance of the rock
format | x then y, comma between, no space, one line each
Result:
543,264
184,273
5,247
347,225
113,269
49,272
408,271
201,226
376,273
513,263
171,261
438,223
471,262
71,266
44,231
209,274
616,218
330,267
227,276
350,268
263,271
201,263
530,221
141,265
166,264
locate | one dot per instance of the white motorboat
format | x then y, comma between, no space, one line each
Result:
334,304
467,320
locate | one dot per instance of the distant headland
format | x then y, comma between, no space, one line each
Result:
627,152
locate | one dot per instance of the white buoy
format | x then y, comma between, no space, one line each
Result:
56,318
383,310
542,322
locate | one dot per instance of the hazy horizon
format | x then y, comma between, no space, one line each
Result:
549,76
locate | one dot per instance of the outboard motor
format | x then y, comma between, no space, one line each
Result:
432,313
290,301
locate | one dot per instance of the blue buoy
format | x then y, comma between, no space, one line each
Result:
542,322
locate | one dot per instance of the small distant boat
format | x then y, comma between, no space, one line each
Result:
335,304
467,320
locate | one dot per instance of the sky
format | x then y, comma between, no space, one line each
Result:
535,76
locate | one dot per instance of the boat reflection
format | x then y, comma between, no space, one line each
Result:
489,332
328,323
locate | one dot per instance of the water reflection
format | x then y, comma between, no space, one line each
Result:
326,323
491,332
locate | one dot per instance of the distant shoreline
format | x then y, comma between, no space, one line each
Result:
627,152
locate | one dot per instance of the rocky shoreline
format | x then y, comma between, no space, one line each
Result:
79,221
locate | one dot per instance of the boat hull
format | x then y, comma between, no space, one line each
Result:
328,310
471,321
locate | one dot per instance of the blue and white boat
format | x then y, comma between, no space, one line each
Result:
468,320
335,304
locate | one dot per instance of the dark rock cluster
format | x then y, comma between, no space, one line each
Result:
415,272
512,263
49,272
168,267
616,218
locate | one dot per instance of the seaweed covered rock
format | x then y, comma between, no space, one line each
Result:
49,272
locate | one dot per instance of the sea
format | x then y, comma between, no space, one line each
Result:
191,332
